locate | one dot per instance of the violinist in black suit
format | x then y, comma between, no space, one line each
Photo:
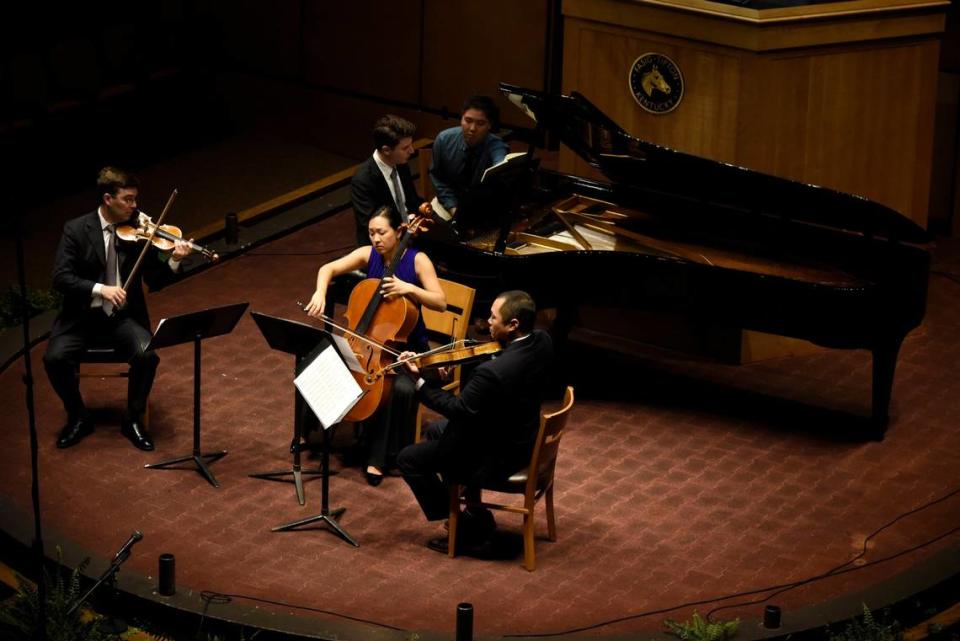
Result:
90,269
488,431
384,179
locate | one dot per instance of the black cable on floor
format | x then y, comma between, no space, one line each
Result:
209,596
783,587
837,569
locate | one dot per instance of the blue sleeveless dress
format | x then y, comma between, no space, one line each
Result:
407,272
392,428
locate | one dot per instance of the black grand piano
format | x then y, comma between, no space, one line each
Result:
673,232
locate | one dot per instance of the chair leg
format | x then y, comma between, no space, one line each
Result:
529,553
418,423
551,520
454,517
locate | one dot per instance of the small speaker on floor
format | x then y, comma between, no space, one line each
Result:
167,573
771,617
464,622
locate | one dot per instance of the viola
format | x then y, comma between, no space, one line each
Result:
377,322
457,353
163,237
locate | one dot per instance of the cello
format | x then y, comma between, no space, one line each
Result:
376,322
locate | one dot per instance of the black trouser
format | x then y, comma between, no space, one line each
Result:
121,332
420,465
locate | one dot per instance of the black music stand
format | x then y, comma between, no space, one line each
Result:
298,339
326,515
195,327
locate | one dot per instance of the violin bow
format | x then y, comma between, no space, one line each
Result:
349,331
457,344
153,232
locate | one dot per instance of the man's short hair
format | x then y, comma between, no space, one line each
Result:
390,130
518,304
487,106
110,180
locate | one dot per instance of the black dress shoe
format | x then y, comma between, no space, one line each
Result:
440,544
477,549
138,435
73,432
374,480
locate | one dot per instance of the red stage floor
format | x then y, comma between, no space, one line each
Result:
681,482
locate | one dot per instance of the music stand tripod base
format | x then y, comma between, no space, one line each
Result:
198,460
330,519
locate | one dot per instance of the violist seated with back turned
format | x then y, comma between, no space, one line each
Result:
392,427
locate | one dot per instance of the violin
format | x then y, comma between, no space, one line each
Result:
163,237
457,353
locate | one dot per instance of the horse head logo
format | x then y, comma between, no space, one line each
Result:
656,83
653,80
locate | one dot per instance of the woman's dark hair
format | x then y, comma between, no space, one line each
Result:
390,214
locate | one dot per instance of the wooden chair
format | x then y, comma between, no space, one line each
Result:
533,482
448,325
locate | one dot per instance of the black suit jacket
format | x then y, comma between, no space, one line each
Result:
369,192
495,419
81,263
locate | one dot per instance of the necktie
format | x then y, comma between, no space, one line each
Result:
111,275
398,193
470,159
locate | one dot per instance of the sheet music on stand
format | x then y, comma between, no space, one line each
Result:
328,387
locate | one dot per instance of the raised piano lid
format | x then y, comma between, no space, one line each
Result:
713,188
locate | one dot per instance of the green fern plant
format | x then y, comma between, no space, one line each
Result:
699,629
38,301
868,628
20,614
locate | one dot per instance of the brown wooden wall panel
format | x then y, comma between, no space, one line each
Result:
365,46
856,117
711,79
470,47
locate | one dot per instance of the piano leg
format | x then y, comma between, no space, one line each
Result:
884,365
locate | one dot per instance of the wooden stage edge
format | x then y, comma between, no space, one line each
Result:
910,592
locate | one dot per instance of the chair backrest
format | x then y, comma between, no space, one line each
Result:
544,458
454,321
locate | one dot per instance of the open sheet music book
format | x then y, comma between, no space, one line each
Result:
440,210
328,387
501,166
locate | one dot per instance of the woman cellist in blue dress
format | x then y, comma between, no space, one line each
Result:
392,426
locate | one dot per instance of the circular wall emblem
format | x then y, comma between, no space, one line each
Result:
656,83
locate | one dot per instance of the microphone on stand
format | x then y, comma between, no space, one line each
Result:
125,549
122,554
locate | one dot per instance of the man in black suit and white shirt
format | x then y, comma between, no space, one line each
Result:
90,269
384,179
489,428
